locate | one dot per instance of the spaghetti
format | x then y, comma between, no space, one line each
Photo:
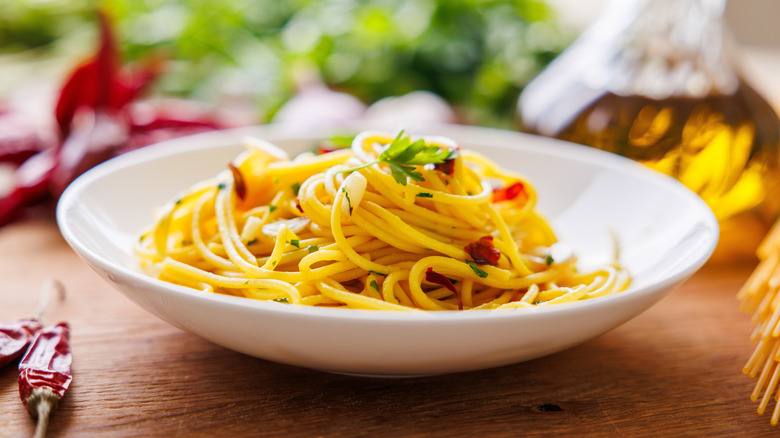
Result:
391,223
760,296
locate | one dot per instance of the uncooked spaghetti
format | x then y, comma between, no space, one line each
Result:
760,296
390,223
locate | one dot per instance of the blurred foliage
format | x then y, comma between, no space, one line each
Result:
477,54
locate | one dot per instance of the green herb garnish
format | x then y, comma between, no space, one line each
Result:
251,242
424,195
295,242
313,248
549,260
272,208
378,273
476,269
374,284
282,300
221,186
403,155
296,187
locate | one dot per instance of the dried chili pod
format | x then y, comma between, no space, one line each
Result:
15,337
45,373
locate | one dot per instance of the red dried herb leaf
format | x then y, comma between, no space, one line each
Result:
483,252
434,277
509,193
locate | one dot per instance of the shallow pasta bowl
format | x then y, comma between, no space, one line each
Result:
664,231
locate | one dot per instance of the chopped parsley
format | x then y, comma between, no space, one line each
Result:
296,187
282,300
221,186
403,156
549,260
272,208
251,242
480,273
378,273
313,248
296,243
424,195
374,284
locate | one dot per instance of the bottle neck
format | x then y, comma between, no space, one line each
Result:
663,48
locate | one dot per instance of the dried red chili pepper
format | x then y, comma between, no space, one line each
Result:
96,117
45,373
436,278
483,252
508,193
15,337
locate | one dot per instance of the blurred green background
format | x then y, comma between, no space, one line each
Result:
476,54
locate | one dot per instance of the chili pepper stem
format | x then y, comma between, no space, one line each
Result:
48,287
40,404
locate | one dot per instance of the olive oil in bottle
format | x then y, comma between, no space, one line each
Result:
654,80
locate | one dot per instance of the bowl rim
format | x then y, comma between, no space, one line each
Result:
231,137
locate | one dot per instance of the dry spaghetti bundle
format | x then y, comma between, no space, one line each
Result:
390,223
759,296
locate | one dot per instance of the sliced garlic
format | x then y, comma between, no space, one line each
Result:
354,187
295,225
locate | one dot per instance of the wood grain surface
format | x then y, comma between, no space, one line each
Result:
673,371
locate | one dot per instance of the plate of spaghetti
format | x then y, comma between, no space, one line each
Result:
395,253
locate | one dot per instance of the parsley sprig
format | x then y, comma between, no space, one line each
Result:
404,155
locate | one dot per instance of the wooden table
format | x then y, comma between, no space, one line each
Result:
673,371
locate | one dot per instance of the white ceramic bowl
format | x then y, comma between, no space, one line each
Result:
665,231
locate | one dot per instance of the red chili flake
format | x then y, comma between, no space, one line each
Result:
15,337
436,278
45,373
298,205
447,167
483,252
238,181
508,193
